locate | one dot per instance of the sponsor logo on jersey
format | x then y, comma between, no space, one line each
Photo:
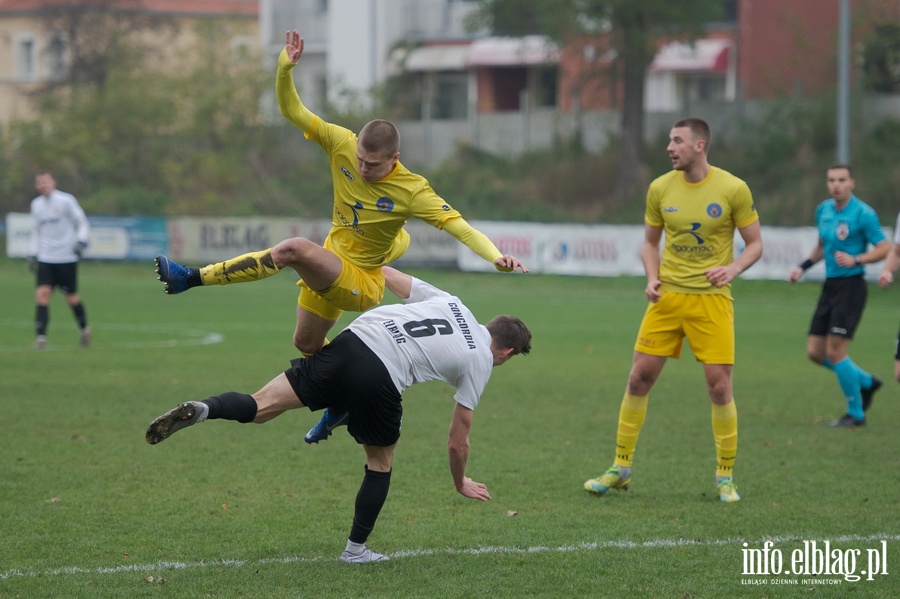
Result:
347,173
354,224
462,324
842,231
694,234
700,248
670,209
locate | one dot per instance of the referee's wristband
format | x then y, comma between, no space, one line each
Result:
806,264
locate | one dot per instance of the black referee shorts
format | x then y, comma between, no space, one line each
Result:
840,307
347,376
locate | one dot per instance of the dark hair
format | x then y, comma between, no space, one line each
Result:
380,137
698,127
837,165
509,331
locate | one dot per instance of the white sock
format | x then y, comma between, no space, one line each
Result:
202,411
355,548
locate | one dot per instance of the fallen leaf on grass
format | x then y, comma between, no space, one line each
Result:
53,500
511,513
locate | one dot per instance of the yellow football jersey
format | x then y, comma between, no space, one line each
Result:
699,221
368,218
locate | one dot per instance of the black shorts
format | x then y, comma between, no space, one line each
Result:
64,276
897,348
347,376
840,307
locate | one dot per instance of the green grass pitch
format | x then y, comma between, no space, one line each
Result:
88,509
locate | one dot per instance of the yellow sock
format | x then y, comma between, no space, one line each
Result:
631,419
725,432
247,267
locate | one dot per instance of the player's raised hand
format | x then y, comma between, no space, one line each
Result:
474,490
293,44
509,264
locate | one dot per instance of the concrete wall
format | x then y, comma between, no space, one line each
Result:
428,143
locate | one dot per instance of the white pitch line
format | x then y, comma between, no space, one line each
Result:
174,335
412,553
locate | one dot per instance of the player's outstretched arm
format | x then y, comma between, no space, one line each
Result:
479,243
285,91
458,448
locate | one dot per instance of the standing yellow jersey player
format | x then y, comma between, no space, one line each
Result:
698,207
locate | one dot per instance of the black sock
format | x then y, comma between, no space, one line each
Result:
194,279
231,406
41,318
78,310
369,500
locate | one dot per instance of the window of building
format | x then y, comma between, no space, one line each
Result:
451,96
548,78
706,88
57,58
26,65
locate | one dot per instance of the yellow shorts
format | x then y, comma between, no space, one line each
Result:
355,290
706,320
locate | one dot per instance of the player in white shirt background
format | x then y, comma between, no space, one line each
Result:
58,238
364,371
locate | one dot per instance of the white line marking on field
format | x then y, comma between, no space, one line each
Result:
142,337
412,553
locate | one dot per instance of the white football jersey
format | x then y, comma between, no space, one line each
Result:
58,224
432,337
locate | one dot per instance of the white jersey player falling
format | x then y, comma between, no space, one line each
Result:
434,338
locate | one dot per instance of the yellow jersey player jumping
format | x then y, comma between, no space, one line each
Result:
698,207
374,196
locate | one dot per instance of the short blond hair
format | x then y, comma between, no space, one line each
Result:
380,137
